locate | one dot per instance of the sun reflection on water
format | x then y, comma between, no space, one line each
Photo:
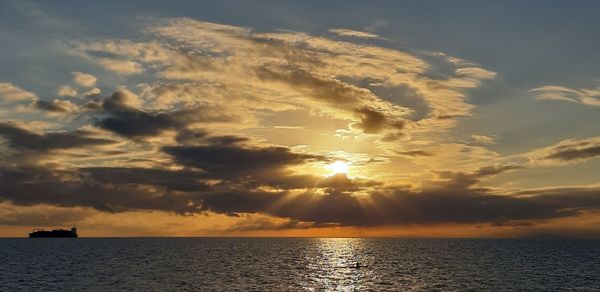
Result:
333,267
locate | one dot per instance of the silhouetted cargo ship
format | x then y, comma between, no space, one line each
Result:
60,233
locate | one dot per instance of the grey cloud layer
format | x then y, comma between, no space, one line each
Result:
229,177
452,201
21,139
127,120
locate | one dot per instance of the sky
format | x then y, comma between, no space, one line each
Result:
300,118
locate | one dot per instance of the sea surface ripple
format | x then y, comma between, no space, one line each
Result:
292,264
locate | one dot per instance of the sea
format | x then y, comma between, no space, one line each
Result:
298,264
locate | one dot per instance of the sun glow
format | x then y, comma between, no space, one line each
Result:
338,167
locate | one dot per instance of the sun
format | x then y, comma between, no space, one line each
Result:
338,167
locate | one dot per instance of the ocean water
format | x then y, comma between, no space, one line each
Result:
291,264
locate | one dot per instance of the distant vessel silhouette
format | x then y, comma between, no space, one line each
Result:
60,233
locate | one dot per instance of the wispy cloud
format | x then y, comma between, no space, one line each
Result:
566,152
590,97
352,33
484,139
301,70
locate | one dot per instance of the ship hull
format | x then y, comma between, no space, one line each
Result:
53,234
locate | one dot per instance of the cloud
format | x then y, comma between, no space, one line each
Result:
340,182
415,153
9,92
33,186
372,121
352,33
84,80
262,223
432,155
453,203
231,161
23,140
175,180
495,169
67,91
127,119
195,135
131,122
44,215
125,67
233,178
566,151
400,207
57,106
483,139
589,97
92,92
256,73
375,117
452,181
476,73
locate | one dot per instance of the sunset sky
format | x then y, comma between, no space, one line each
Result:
305,118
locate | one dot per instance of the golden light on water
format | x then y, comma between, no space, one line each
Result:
333,266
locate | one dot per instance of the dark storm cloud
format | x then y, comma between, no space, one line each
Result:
186,137
229,160
197,136
22,139
176,180
341,201
239,173
251,167
127,120
466,206
405,207
33,186
134,123
247,168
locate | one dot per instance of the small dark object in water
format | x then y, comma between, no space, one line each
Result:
358,266
56,233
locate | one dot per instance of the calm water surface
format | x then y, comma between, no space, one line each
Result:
160,264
